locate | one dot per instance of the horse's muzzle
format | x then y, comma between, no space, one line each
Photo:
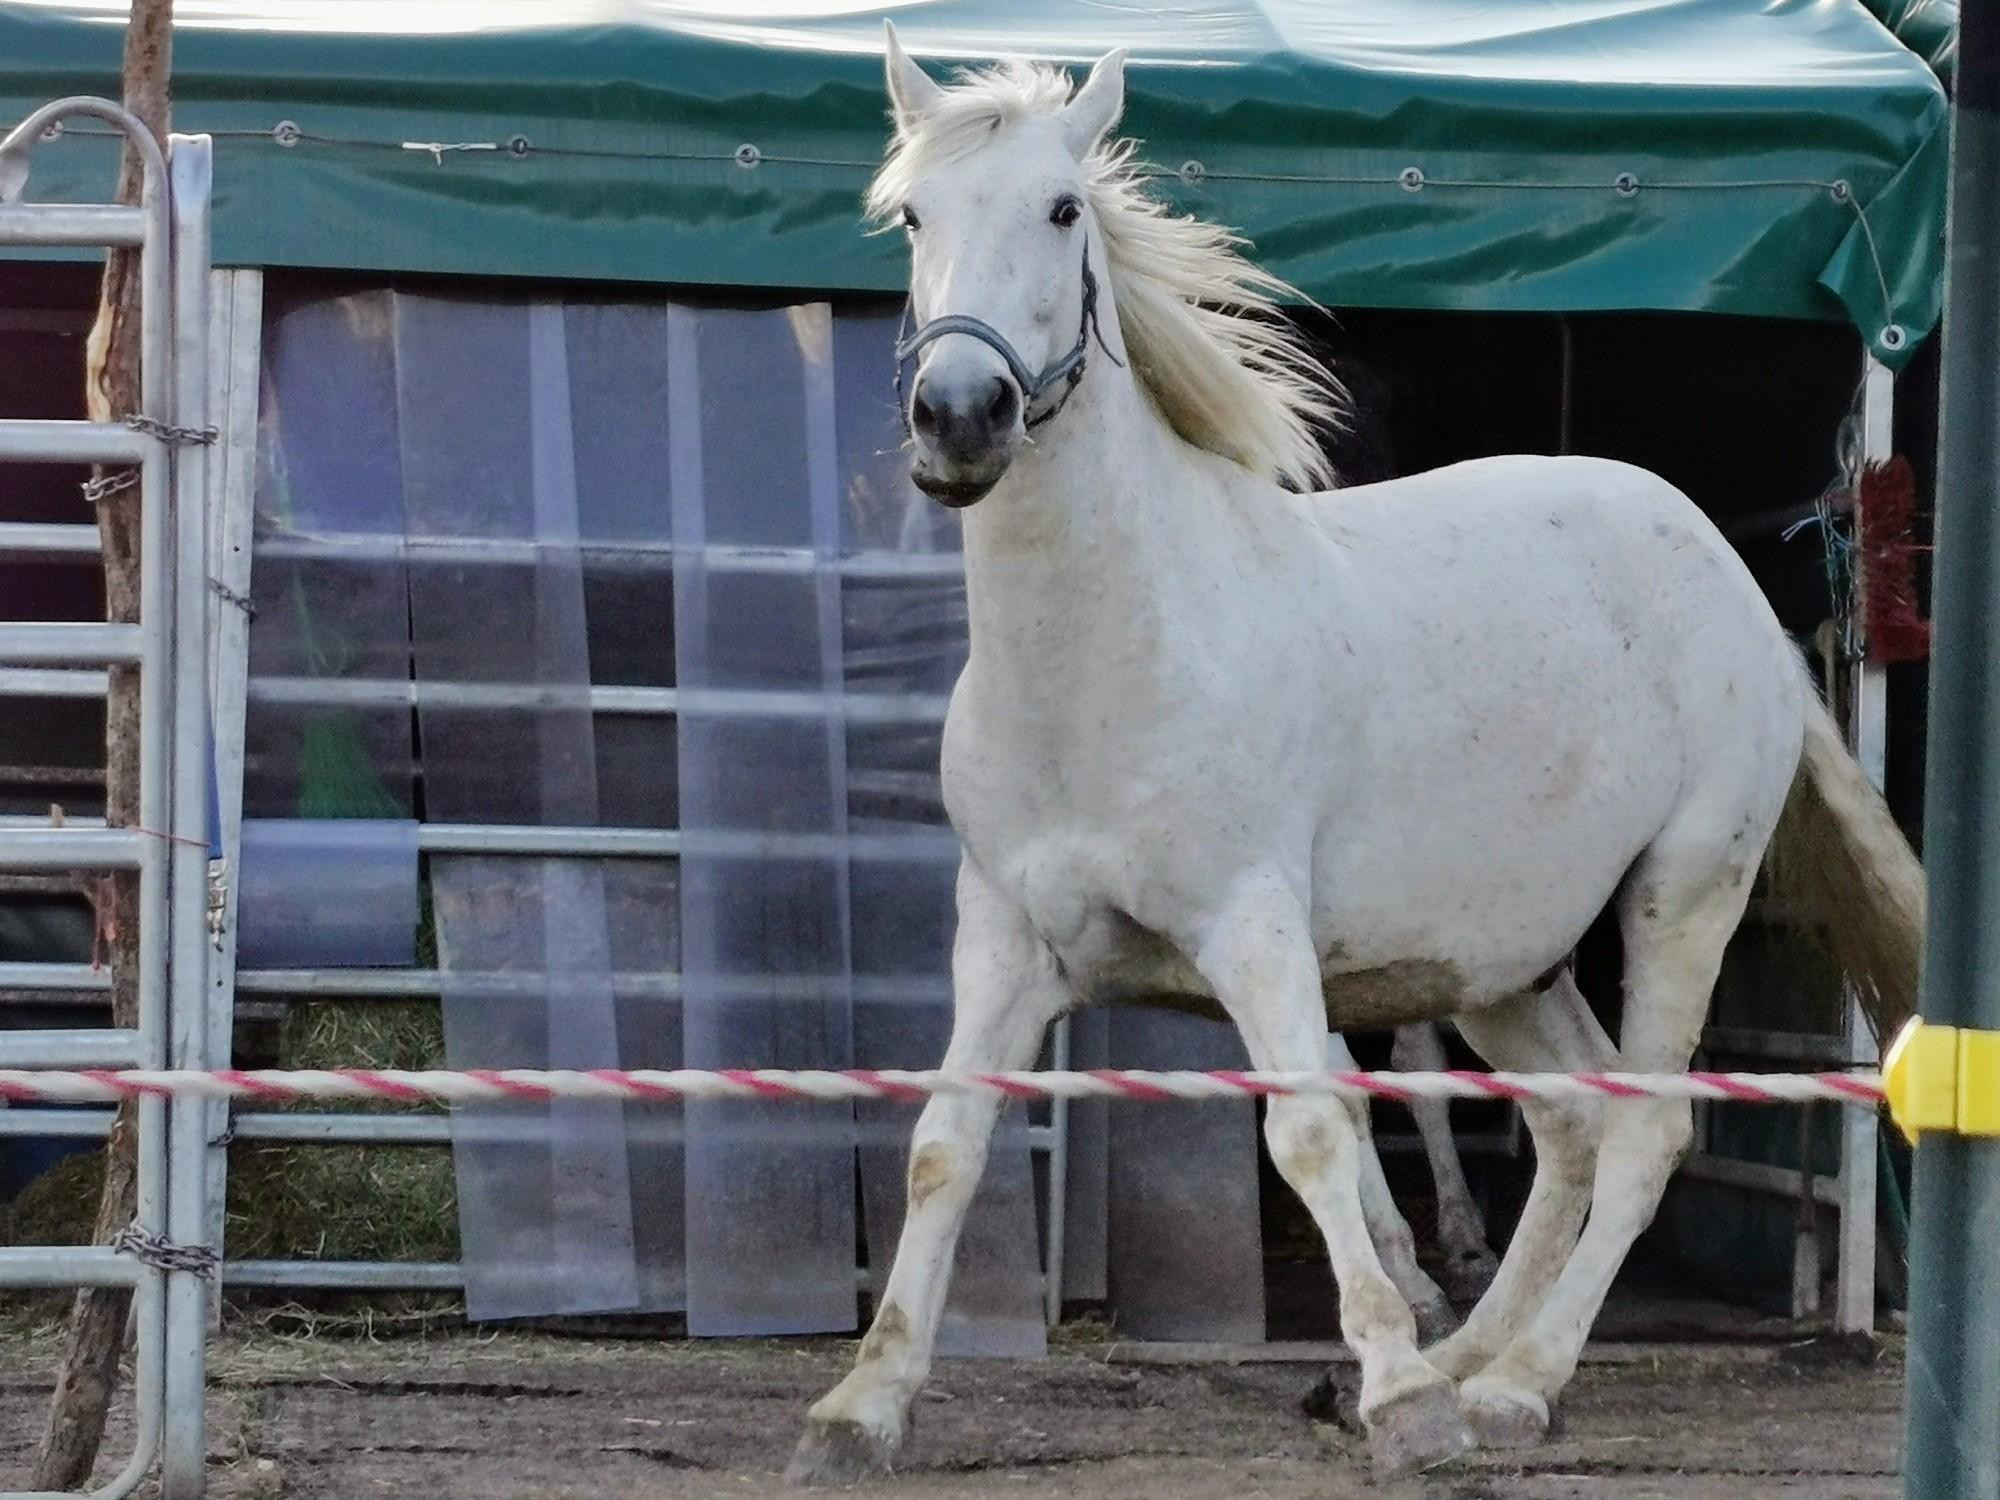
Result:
956,493
967,427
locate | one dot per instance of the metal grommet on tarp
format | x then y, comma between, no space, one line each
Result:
286,133
1626,185
747,155
1411,179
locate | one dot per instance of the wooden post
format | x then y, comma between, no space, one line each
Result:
89,1370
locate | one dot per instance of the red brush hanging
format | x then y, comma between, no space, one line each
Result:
1886,511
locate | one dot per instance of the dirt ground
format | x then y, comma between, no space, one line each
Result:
470,1416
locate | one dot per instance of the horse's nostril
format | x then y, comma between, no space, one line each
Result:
1001,406
923,416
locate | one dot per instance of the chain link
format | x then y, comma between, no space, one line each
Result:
97,490
166,432
163,1254
229,595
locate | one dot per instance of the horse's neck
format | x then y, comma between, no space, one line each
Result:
1084,555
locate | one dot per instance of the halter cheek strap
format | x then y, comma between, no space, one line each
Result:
1066,371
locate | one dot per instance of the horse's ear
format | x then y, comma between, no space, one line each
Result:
1097,105
912,91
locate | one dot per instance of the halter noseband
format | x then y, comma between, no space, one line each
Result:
1066,371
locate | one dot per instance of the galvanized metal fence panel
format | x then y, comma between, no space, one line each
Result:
169,849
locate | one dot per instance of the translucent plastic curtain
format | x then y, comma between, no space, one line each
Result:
330,583
904,628
764,872
1185,1240
497,603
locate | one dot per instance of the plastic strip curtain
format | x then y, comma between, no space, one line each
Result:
328,468
764,877
546,1217
905,639
1184,1234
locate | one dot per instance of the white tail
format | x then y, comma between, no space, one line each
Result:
1839,859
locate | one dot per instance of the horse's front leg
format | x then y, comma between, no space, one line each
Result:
1258,955
1006,991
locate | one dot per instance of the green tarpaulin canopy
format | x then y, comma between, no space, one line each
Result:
1783,158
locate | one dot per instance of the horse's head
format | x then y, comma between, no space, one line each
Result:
1007,275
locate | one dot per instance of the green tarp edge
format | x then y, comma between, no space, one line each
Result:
1749,206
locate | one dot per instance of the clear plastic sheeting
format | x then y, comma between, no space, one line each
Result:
548,1223
626,565
327,893
1084,1249
329,476
545,1218
488,455
1185,1237
765,969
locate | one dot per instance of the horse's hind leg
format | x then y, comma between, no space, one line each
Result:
1258,956
1387,1228
1676,924
1006,991
1528,1033
1469,1262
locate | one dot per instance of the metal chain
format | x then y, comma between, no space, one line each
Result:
101,488
163,1254
96,491
229,595
166,432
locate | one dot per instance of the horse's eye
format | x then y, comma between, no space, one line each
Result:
1066,212
910,220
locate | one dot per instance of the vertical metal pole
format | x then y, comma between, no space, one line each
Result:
1952,1433
1867,735
193,1122
235,352
155,656
1058,1238
1805,1232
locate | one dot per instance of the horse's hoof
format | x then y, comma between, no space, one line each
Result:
831,1455
1466,1275
1504,1416
1417,1431
1436,1320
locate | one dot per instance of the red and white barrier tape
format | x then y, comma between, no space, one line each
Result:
95,1087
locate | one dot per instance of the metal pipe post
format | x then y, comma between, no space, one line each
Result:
194,1122
1867,736
1952,1432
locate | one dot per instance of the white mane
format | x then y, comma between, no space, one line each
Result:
1200,322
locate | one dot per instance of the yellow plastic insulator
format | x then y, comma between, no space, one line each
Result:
1979,1082
1943,1078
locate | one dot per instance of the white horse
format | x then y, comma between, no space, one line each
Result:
1350,760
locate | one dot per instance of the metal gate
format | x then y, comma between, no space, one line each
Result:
162,1256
